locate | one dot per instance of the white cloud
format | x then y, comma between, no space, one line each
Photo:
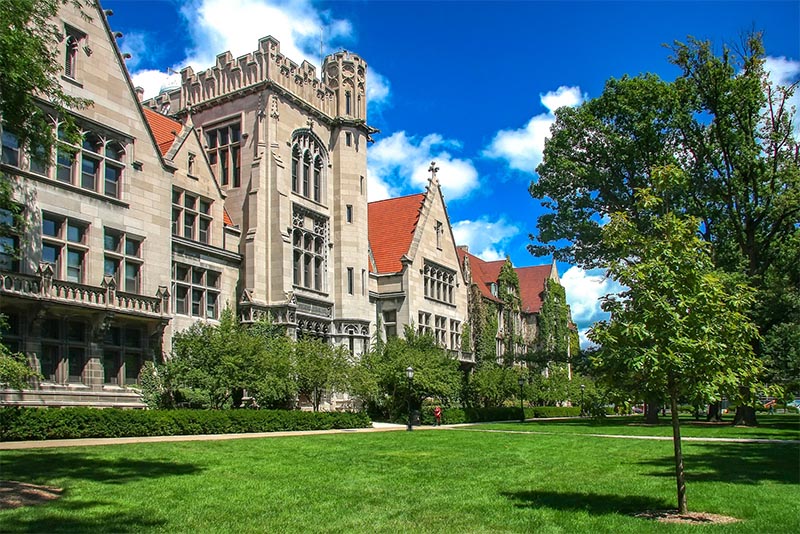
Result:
584,290
400,162
784,72
216,26
585,342
485,238
378,91
523,148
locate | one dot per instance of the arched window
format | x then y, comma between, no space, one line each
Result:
306,172
317,178
295,167
308,152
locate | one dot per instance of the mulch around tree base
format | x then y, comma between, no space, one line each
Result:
15,494
691,518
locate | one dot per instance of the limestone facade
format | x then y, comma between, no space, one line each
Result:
92,295
290,152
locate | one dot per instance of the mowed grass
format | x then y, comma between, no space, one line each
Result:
444,480
778,426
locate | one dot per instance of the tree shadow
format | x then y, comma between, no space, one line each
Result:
591,503
42,467
739,463
64,516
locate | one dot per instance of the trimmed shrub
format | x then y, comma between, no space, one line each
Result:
18,424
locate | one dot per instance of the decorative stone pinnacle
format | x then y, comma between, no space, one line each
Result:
310,122
433,169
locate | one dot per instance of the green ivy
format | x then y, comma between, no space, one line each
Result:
555,341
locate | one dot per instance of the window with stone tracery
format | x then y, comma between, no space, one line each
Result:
439,283
308,166
310,248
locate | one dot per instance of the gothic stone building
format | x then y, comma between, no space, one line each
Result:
101,281
290,152
244,186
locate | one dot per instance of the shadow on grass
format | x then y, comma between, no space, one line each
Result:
95,516
740,463
592,503
43,467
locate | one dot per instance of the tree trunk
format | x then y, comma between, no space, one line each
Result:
651,412
714,412
676,441
745,415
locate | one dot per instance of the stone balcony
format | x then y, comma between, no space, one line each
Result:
44,288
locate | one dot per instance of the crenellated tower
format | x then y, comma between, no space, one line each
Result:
289,149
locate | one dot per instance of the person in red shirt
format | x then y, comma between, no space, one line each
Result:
437,414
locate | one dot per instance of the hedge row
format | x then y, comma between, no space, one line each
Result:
51,423
505,413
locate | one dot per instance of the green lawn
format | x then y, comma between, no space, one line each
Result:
780,426
458,480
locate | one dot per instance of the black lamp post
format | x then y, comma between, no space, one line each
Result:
521,382
583,388
410,377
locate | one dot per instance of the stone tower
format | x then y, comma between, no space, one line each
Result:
290,151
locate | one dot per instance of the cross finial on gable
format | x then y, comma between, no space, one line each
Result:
433,169
310,123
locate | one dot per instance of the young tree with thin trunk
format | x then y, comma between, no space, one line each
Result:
682,325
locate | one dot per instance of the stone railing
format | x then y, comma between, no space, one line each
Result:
42,286
462,356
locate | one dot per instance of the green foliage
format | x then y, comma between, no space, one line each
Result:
728,128
71,423
155,393
492,385
555,341
681,329
508,292
382,381
319,367
483,327
15,373
212,365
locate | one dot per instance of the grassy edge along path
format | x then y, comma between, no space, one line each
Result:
449,481
780,427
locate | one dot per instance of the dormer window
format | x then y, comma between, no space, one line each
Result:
493,288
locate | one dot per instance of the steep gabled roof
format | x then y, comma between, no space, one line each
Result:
532,284
392,223
484,273
164,129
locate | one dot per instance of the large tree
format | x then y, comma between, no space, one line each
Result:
728,127
681,326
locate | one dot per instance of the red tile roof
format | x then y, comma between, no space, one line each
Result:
532,280
483,272
226,218
532,283
391,229
164,129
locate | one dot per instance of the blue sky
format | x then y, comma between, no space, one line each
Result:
471,85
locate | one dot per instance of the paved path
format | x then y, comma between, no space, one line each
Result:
376,427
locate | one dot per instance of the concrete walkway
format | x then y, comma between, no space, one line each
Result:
376,427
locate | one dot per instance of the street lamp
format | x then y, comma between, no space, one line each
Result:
521,382
583,388
410,377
